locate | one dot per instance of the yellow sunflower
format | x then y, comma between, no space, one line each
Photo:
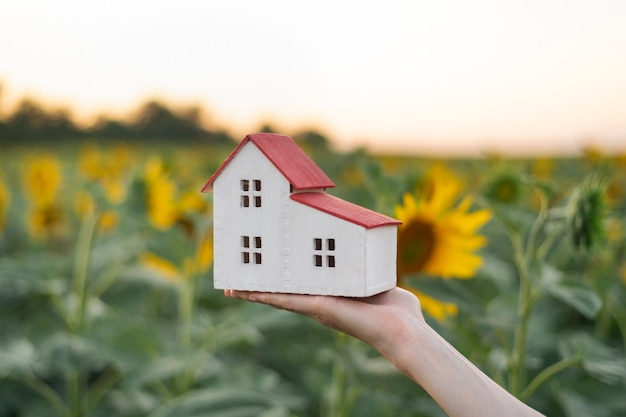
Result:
161,266
193,265
161,195
5,200
108,169
45,222
42,180
438,235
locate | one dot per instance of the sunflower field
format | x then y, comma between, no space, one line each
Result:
107,306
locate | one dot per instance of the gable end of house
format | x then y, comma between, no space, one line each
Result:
285,154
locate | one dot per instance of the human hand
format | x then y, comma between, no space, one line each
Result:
386,321
393,323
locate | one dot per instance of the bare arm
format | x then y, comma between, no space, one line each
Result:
392,322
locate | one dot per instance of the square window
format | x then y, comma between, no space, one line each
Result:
245,201
257,201
317,244
317,259
257,242
245,241
257,185
330,244
330,261
245,257
245,185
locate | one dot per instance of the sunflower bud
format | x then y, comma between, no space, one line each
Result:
586,214
506,188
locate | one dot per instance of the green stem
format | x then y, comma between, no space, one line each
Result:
81,269
546,374
76,381
618,315
49,394
341,397
603,322
518,357
185,310
100,387
533,234
185,316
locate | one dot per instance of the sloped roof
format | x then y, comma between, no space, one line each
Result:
282,151
344,210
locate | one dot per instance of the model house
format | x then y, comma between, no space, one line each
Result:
277,230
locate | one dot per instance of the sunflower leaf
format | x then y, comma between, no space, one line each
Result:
577,295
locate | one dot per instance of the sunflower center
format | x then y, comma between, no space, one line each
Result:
416,242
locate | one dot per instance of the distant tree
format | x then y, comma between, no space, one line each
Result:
157,120
30,121
312,138
267,128
108,128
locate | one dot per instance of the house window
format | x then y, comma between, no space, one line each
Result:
250,193
251,250
324,252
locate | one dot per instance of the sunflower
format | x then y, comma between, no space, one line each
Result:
46,221
108,169
5,200
193,265
42,179
587,214
161,195
505,188
438,235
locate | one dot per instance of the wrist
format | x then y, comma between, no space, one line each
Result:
401,342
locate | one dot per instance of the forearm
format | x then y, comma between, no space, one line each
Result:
459,387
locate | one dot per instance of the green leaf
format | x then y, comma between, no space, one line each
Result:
600,361
577,295
575,405
16,356
221,403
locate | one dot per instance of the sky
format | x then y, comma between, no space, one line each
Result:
432,77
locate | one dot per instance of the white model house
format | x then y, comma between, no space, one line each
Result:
277,230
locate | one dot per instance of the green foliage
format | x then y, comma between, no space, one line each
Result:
88,328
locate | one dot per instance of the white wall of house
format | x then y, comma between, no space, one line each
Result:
232,221
348,274
380,246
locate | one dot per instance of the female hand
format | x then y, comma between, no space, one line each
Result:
393,323
386,321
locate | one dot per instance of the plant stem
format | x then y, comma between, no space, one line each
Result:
76,400
49,394
186,300
185,309
546,374
81,269
100,387
75,379
518,357
341,397
533,234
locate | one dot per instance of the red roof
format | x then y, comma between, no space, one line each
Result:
297,167
344,210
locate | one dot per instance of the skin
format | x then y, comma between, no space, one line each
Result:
392,322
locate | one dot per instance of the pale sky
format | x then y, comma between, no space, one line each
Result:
447,77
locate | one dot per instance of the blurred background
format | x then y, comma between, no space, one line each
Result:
495,131
445,78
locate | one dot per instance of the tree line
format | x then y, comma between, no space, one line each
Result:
31,121
154,120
